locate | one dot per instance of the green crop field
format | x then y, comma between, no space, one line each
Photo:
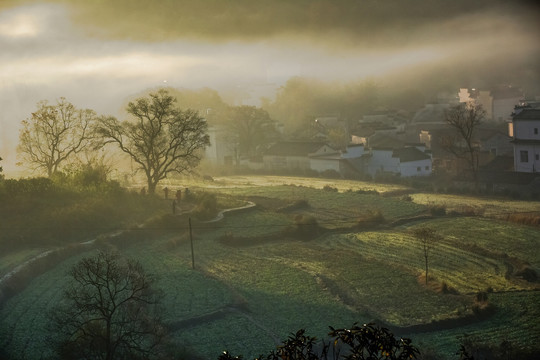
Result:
247,297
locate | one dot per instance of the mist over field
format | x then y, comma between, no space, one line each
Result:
98,53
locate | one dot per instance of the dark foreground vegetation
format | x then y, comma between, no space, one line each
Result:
67,208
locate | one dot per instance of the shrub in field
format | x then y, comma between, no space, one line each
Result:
406,198
437,210
298,204
482,307
447,289
371,218
206,207
329,188
527,273
305,227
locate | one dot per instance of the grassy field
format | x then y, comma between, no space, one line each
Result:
487,206
252,296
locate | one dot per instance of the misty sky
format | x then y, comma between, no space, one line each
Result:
97,53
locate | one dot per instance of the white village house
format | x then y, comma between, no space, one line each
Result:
221,150
411,160
525,131
294,155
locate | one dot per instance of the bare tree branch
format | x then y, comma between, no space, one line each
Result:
464,118
107,311
159,137
54,134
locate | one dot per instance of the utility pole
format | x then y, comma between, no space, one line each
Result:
191,240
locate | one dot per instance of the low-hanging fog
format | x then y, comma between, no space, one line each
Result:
98,53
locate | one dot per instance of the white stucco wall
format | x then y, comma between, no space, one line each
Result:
524,130
353,152
533,154
416,168
219,148
322,165
382,161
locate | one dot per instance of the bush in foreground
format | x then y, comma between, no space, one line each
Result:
359,342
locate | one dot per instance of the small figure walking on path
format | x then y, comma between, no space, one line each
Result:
166,191
178,195
143,191
174,207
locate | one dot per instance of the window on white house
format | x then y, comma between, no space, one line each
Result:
418,169
524,156
537,157
535,131
427,168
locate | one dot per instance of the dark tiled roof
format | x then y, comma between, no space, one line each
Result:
385,141
294,148
528,114
487,133
410,154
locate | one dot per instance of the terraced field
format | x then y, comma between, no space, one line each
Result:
246,298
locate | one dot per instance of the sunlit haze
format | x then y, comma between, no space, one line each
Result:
47,54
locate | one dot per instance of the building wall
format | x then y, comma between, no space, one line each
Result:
531,162
272,162
416,168
498,145
527,156
353,152
382,161
220,151
525,130
322,165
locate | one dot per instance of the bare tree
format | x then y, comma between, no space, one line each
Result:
106,312
54,134
159,137
464,119
251,127
427,237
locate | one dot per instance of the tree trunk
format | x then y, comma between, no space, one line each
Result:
108,355
426,268
152,186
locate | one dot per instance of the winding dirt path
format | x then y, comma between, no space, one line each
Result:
46,253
